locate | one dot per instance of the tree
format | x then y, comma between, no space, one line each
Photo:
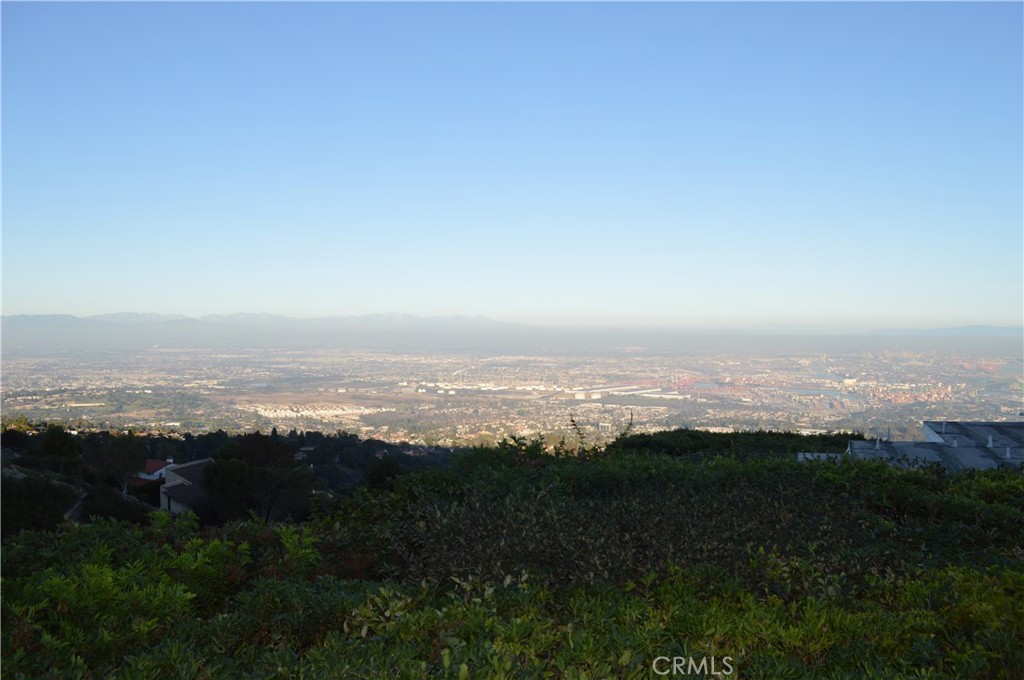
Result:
19,423
120,458
257,473
381,472
256,449
57,442
15,439
63,449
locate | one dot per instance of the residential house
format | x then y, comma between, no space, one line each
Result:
956,445
155,468
183,487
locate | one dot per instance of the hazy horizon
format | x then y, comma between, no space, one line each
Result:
399,316
37,335
841,166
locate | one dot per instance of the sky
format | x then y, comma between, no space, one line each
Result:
826,165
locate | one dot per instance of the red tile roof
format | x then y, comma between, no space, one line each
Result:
154,465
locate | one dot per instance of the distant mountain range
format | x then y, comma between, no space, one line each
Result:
32,334
962,331
124,331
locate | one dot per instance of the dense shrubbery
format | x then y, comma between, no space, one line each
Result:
34,503
40,501
576,520
686,442
513,563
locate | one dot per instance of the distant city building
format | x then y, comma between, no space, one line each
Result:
954,445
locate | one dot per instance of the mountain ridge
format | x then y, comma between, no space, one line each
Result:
32,334
403,317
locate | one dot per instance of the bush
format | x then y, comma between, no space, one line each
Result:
34,503
106,503
381,472
513,563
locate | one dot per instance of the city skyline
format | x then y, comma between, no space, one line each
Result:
844,166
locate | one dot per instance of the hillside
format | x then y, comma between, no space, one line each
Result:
518,562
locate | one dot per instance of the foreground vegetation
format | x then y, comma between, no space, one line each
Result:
513,562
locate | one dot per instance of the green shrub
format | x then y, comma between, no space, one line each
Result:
514,563
96,615
33,503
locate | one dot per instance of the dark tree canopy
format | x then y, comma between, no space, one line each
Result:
257,473
256,449
120,458
59,443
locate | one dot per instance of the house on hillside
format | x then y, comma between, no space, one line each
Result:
155,469
146,484
956,445
183,487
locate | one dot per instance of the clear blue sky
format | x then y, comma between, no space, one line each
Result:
849,165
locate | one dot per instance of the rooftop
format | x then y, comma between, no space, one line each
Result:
154,465
955,445
995,434
191,473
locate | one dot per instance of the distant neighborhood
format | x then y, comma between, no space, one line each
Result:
880,387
